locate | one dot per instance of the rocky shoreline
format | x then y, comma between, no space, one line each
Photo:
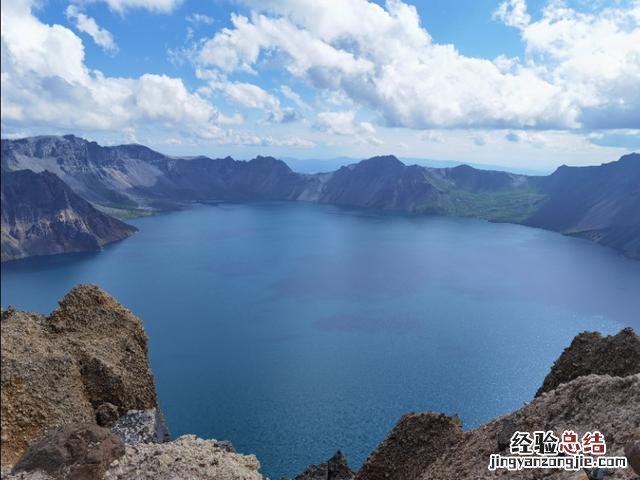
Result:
79,402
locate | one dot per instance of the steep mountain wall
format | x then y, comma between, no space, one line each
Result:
41,215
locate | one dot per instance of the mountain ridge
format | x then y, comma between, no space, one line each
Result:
598,203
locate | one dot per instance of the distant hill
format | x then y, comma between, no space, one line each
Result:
41,215
600,203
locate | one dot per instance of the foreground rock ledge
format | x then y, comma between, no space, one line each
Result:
90,353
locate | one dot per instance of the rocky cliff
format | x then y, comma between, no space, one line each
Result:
79,401
41,215
601,204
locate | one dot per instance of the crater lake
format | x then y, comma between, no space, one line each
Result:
295,330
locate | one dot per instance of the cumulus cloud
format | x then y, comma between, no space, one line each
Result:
249,95
594,58
345,124
88,25
580,69
513,13
45,83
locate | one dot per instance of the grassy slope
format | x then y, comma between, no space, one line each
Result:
502,206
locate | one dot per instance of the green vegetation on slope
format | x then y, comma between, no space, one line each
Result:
502,206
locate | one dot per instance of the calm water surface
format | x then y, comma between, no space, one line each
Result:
295,330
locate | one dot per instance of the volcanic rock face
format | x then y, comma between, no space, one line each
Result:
43,216
589,352
414,443
335,468
64,368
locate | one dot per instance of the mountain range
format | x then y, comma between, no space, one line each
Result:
600,203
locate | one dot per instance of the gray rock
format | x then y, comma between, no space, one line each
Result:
80,451
505,434
632,452
141,426
107,414
591,353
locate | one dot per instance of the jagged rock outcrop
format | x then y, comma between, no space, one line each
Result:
81,451
335,468
64,368
415,442
591,353
43,216
609,404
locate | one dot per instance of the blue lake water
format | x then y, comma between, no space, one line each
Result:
295,330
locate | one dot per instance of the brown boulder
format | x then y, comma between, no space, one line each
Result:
64,368
414,443
591,353
80,451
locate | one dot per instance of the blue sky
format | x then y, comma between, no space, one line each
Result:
530,84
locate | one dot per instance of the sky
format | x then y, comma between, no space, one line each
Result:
529,84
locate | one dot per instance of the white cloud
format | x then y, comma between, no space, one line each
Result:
581,69
594,58
345,124
88,25
46,85
294,97
513,13
249,95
